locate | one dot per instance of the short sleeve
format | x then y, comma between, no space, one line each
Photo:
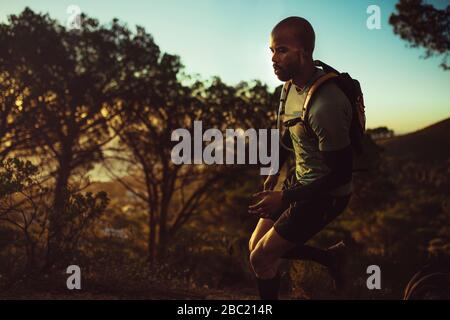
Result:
330,118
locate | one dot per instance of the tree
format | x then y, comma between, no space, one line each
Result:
380,132
107,92
13,122
422,25
25,208
173,193
68,88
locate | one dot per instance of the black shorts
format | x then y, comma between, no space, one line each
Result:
300,221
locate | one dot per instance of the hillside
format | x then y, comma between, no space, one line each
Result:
428,145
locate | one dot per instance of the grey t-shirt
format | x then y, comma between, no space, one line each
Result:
329,118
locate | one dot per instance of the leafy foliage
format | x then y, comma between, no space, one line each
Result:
422,25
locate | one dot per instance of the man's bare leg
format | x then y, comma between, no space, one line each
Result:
261,229
265,260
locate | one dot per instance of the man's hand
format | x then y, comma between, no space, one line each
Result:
270,202
271,182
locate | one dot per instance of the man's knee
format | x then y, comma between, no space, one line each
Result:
256,260
261,229
262,263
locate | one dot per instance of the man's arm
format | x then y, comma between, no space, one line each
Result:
283,152
340,164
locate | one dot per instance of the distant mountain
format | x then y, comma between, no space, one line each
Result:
428,145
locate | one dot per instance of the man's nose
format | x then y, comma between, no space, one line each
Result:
275,58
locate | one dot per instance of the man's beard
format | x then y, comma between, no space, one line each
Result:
283,74
288,71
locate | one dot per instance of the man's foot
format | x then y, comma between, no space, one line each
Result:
337,267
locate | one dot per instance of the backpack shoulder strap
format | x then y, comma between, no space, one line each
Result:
284,94
285,90
316,85
283,98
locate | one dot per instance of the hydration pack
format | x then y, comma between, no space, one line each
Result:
352,89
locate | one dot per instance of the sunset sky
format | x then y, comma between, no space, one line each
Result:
230,39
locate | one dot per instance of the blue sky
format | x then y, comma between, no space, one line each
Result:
230,39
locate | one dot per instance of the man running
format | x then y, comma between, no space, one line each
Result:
320,188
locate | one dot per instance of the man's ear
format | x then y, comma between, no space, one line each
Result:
301,56
305,56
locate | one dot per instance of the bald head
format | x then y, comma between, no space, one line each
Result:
300,30
292,45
